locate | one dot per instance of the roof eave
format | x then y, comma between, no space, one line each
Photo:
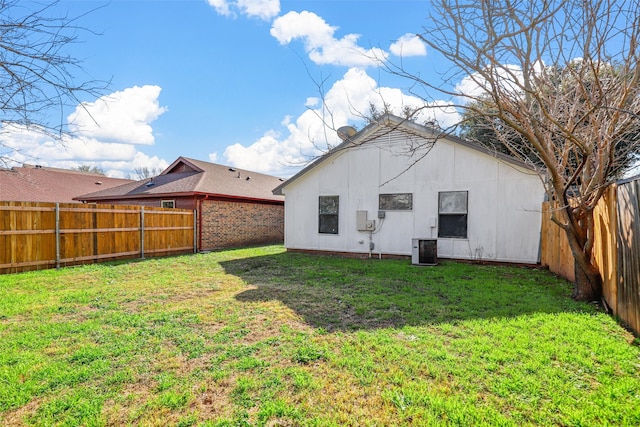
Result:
183,194
135,196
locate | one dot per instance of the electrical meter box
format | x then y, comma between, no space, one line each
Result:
364,224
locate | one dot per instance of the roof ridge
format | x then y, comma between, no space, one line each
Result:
31,167
192,176
235,168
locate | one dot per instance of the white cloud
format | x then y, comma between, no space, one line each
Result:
104,134
408,45
265,151
123,116
508,77
312,101
320,42
306,137
221,6
124,169
307,25
263,9
471,87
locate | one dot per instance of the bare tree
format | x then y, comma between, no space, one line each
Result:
145,172
37,77
90,169
488,130
561,79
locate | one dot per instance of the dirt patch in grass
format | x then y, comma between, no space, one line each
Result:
19,416
214,402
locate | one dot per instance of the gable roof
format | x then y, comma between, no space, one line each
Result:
185,177
389,123
31,183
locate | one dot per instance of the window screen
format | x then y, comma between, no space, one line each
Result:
452,214
328,214
395,202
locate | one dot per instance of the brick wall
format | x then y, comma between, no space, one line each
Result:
228,224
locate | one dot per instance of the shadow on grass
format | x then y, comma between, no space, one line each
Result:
347,294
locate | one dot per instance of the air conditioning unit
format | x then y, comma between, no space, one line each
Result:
424,251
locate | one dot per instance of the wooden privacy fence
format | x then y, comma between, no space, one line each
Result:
46,235
616,249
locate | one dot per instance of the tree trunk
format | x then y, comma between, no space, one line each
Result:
588,282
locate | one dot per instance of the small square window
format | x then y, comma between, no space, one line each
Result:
395,202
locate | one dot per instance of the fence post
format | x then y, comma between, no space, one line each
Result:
195,231
57,235
142,232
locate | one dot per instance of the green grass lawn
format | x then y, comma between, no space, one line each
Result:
259,336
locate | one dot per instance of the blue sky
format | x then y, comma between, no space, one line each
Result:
232,82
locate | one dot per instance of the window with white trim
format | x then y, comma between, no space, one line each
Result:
452,214
328,214
168,204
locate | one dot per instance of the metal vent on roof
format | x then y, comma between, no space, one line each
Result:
248,178
150,184
232,170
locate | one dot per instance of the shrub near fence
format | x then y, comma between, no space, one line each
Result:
46,235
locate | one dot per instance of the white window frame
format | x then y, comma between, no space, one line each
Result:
325,215
166,202
453,211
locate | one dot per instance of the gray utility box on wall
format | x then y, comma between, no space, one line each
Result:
364,224
424,251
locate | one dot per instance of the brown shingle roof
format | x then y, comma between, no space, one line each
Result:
43,184
189,176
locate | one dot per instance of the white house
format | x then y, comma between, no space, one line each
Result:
395,181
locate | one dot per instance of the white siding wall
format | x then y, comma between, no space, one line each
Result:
503,202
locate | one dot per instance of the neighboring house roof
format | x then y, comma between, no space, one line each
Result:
31,183
186,177
389,123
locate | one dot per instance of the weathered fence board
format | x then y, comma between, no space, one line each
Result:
628,285
616,249
45,235
555,252
605,253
